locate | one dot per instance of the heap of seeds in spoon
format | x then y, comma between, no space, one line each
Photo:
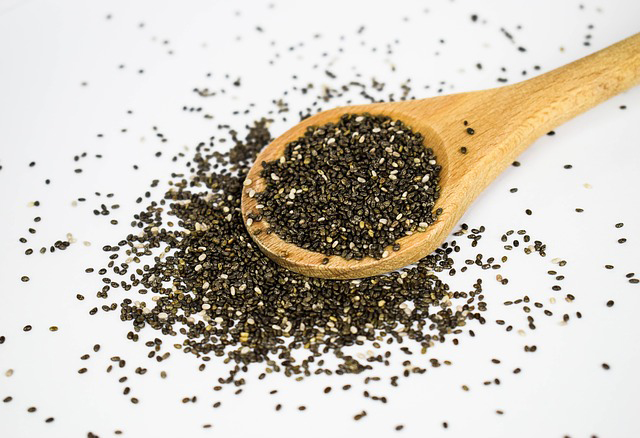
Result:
351,188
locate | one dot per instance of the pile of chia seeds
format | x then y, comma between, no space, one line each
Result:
352,188
212,286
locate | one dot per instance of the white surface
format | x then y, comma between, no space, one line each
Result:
47,49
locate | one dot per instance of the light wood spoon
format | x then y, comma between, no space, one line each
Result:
506,120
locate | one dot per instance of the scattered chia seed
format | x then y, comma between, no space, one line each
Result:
215,291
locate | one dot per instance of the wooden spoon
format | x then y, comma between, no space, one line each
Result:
505,121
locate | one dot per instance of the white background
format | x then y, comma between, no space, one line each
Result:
48,49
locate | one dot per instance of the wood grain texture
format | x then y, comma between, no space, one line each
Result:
506,120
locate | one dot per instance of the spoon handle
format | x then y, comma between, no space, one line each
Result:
508,119
563,93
